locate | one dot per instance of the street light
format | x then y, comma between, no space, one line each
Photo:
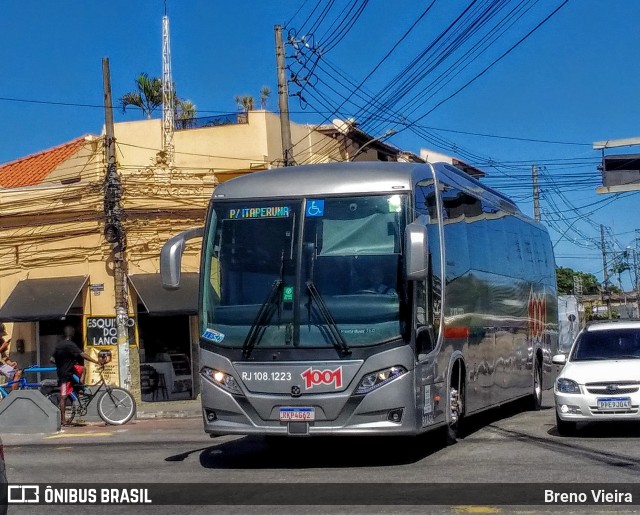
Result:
386,135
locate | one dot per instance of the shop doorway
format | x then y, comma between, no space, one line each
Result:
165,357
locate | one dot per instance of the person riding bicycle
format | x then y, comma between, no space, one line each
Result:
67,357
8,367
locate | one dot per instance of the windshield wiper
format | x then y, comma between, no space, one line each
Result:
337,338
267,308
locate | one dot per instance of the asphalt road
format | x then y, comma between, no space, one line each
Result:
503,446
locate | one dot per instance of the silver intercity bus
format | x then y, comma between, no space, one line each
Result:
367,298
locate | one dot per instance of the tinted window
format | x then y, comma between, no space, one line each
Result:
613,344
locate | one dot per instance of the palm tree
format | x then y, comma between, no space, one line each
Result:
147,97
264,96
618,268
245,102
185,113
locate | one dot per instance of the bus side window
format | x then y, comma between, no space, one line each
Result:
424,341
424,330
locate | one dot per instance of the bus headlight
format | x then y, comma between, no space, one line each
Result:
567,386
222,379
377,379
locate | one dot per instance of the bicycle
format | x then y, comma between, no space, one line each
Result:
23,383
116,406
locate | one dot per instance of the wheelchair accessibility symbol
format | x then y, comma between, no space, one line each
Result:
315,208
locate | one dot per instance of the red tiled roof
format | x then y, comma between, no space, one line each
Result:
33,169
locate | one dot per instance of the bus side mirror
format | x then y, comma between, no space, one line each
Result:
416,259
171,257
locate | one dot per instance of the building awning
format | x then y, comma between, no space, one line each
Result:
42,299
158,301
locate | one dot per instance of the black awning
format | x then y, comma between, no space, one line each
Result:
42,299
158,301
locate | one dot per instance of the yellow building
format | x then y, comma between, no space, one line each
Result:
56,268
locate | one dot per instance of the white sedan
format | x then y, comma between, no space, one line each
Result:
601,376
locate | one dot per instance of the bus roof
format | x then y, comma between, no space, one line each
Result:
345,178
321,179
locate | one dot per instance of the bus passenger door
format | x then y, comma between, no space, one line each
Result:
425,343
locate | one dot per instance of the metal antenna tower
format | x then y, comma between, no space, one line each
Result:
168,95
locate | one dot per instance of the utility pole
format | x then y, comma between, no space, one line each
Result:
635,286
114,231
283,99
606,272
536,193
635,274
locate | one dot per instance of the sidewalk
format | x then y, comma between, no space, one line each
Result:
151,410
169,409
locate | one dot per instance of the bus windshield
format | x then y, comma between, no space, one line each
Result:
304,273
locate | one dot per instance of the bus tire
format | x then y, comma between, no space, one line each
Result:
536,395
455,404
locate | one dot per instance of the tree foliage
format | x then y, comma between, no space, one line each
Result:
147,96
618,268
564,277
245,103
185,113
265,92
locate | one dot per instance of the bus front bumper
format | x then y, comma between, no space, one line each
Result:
389,410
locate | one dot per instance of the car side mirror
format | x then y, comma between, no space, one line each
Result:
559,359
416,259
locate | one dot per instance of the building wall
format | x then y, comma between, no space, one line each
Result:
56,229
431,156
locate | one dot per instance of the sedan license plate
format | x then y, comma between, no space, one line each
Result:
614,403
297,414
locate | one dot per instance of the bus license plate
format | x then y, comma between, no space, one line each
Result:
614,403
297,414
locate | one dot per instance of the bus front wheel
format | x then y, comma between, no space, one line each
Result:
455,404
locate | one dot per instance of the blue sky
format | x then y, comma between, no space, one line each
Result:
574,80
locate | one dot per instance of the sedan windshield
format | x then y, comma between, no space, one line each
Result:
607,344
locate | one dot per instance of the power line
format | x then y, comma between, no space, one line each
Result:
380,62
286,25
501,136
471,23
487,14
493,63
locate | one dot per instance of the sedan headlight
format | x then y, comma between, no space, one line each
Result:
567,386
377,379
222,379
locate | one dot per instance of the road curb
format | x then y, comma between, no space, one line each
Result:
141,415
